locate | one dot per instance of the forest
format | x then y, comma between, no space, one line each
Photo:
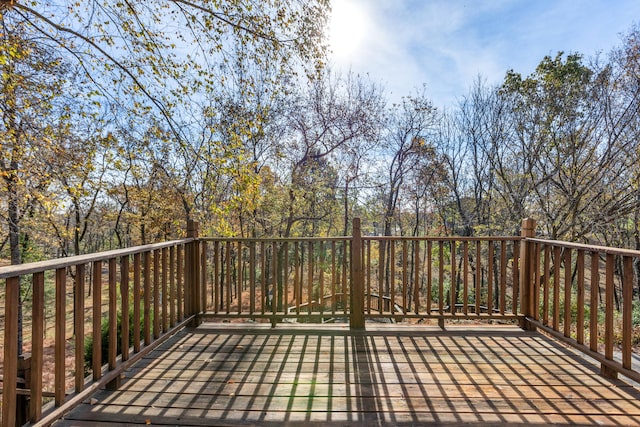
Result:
123,120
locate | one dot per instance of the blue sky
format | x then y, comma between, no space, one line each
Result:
446,44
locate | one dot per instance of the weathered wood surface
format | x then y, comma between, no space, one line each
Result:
392,375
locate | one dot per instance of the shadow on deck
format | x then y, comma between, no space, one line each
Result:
234,374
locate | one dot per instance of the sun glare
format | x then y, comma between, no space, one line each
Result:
347,28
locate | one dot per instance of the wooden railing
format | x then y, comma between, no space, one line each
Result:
126,302
143,294
397,278
583,295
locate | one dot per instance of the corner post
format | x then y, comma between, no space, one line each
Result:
527,297
193,303
357,278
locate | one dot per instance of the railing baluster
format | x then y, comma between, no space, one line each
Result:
594,290
490,276
252,277
227,280
164,297
503,278
441,277
172,287
310,278
285,278
240,276
567,292
547,283
627,310
405,276
60,335
609,306
124,295
516,278
216,276
580,296
79,327
96,364
478,276
180,283
556,287
137,271
147,298
465,278
416,281
156,293
454,279
37,347
10,366
113,315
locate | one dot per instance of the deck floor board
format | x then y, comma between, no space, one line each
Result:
242,375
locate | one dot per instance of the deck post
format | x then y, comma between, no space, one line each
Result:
527,297
356,319
192,302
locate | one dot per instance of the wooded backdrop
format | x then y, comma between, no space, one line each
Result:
123,120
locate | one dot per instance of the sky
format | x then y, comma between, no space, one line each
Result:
447,44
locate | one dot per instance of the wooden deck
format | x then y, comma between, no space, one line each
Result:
240,374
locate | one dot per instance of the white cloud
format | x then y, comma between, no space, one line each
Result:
447,43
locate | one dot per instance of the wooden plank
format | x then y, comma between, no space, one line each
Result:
235,376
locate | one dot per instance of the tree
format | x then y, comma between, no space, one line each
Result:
325,123
574,167
31,79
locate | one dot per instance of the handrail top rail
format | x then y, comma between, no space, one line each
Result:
51,264
582,246
372,238
275,239
446,238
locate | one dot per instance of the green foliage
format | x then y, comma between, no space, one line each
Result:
104,333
